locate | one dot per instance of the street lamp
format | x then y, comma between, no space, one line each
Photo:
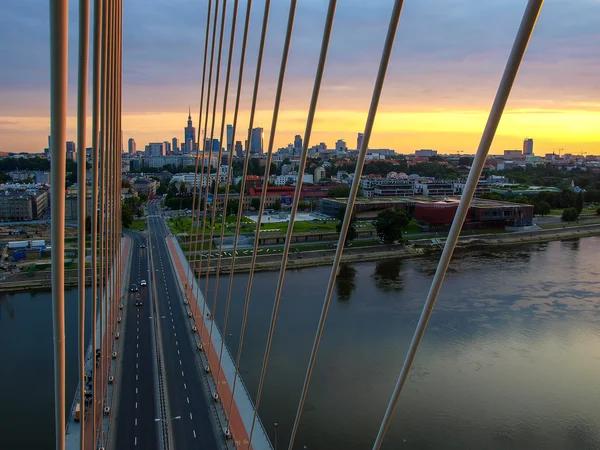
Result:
275,424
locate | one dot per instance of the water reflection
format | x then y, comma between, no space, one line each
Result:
387,275
6,307
345,282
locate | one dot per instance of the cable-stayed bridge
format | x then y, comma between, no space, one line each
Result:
158,373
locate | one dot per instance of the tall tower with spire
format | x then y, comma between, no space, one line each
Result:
189,134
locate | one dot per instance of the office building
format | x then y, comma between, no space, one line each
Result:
239,150
340,146
297,145
155,149
359,140
256,142
131,147
175,144
528,147
167,147
229,138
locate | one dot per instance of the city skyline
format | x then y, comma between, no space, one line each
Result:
438,91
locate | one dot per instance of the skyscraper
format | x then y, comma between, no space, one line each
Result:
359,141
167,147
131,147
175,144
239,150
528,147
229,137
189,133
297,144
256,144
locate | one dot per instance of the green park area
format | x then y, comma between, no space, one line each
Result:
182,225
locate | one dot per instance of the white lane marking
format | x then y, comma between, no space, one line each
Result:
135,405
136,421
182,373
137,345
191,416
184,386
180,363
194,433
178,352
135,443
137,355
136,390
188,399
175,334
136,366
136,378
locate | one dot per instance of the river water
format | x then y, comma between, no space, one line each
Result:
510,359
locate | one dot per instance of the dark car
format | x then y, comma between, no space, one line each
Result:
143,246
138,302
133,288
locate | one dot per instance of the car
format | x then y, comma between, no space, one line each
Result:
143,246
138,302
133,288
143,283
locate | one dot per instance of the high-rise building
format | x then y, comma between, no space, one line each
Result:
131,147
239,150
175,144
216,145
167,147
528,147
297,144
155,149
71,150
340,145
189,133
229,138
256,143
359,140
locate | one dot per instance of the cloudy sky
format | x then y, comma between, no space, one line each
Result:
447,62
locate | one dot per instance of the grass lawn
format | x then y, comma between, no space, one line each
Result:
138,225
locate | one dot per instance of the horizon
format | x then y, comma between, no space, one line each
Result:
437,95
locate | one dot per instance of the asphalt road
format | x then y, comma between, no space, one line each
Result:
190,417
135,423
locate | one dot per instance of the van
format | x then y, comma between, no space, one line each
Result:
77,412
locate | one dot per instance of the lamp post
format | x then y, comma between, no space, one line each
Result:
275,424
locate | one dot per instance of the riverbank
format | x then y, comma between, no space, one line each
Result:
40,281
418,248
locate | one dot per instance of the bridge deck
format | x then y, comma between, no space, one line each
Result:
242,412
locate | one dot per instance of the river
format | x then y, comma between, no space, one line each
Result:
510,359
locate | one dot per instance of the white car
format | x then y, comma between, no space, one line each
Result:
143,283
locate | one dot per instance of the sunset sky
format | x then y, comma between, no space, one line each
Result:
446,66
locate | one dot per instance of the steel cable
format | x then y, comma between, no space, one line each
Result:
241,197
288,239
383,65
510,72
261,49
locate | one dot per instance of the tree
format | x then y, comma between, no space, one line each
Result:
126,217
579,202
598,211
232,207
543,208
255,203
351,234
182,188
339,192
143,197
390,223
570,215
